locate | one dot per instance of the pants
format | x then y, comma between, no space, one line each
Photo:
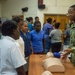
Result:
56,47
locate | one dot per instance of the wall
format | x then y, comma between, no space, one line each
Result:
54,7
13,7
0,8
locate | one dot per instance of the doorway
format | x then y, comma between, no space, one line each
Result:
63,19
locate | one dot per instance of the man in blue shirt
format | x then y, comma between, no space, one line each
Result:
30,27
47,29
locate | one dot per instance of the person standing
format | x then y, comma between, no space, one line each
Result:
38,39
19,22
11,60
30,24
56,38
47,27
71,48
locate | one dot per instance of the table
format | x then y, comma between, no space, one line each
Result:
36,67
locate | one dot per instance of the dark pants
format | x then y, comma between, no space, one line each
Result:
48,45
56,47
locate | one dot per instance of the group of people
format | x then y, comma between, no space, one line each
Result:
19,39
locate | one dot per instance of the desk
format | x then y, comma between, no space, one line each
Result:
36,68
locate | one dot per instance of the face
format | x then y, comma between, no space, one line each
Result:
16,33
25,27
71,14
31,21
20,24
37,19
38,27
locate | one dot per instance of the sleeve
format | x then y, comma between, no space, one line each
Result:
17,57
44,36
50,34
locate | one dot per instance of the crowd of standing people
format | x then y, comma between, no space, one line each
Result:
19,39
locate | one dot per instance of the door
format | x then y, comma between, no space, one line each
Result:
63,19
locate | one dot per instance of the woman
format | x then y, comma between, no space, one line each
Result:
38,39
26,38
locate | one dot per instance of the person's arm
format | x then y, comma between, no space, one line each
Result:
20,71
65,53
31,48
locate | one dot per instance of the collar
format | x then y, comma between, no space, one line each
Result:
9,38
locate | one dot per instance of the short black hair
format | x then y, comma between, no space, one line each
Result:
36,17
73,6
57,24
49,20
8,27
27,18
30,18
36,22
17,19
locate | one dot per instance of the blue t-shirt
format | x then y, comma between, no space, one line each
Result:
37,40
46,28
30,27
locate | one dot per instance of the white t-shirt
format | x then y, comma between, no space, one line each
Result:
56,35
21,43
10,56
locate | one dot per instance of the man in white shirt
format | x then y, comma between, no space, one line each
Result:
11,58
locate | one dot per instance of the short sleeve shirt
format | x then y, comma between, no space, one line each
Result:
36,39
10,56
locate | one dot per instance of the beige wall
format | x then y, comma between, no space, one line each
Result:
0,8
55,7
13,7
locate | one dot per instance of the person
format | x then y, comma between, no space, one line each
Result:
19,22
27,43
26,38
38,39
11,59
71,49
53,24
56,38
47,27
30,24
36,18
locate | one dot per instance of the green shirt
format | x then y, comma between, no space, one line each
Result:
72,43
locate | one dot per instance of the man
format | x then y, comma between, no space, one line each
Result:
47,29
11,60
71,49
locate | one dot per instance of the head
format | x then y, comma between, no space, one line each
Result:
19,21
49,20
57,24
31,20
36,18
24,27
37,26
10,28
71,13
27,19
